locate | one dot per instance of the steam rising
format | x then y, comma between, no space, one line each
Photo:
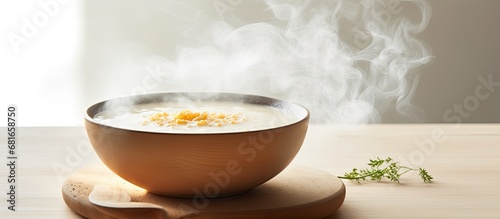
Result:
346,61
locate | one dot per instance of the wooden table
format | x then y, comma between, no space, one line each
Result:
463,159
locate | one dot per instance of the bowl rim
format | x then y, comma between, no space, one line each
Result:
149,96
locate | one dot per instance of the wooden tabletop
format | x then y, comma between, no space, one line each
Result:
464,160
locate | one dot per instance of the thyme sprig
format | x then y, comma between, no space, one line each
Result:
384,168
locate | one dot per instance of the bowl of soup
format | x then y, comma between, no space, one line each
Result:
202,145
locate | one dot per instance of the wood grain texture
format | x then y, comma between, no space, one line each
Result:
465,166
297,192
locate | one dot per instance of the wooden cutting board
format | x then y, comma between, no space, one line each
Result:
297,192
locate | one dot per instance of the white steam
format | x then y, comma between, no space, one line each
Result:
346,61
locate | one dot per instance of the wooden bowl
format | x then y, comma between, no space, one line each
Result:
199,165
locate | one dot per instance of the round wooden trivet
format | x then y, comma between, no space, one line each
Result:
297,192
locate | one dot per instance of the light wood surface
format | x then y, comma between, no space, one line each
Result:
463,159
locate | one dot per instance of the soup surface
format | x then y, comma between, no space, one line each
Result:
200,117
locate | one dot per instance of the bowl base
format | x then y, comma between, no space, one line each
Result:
297,192
219,195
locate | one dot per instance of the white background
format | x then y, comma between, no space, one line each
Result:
68,64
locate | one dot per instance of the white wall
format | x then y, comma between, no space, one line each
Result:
90,51
40,50
464,37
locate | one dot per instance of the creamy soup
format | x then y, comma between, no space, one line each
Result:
204,117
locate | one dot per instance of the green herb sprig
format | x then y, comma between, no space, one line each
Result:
384,168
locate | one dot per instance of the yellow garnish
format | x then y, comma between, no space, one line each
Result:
189,118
